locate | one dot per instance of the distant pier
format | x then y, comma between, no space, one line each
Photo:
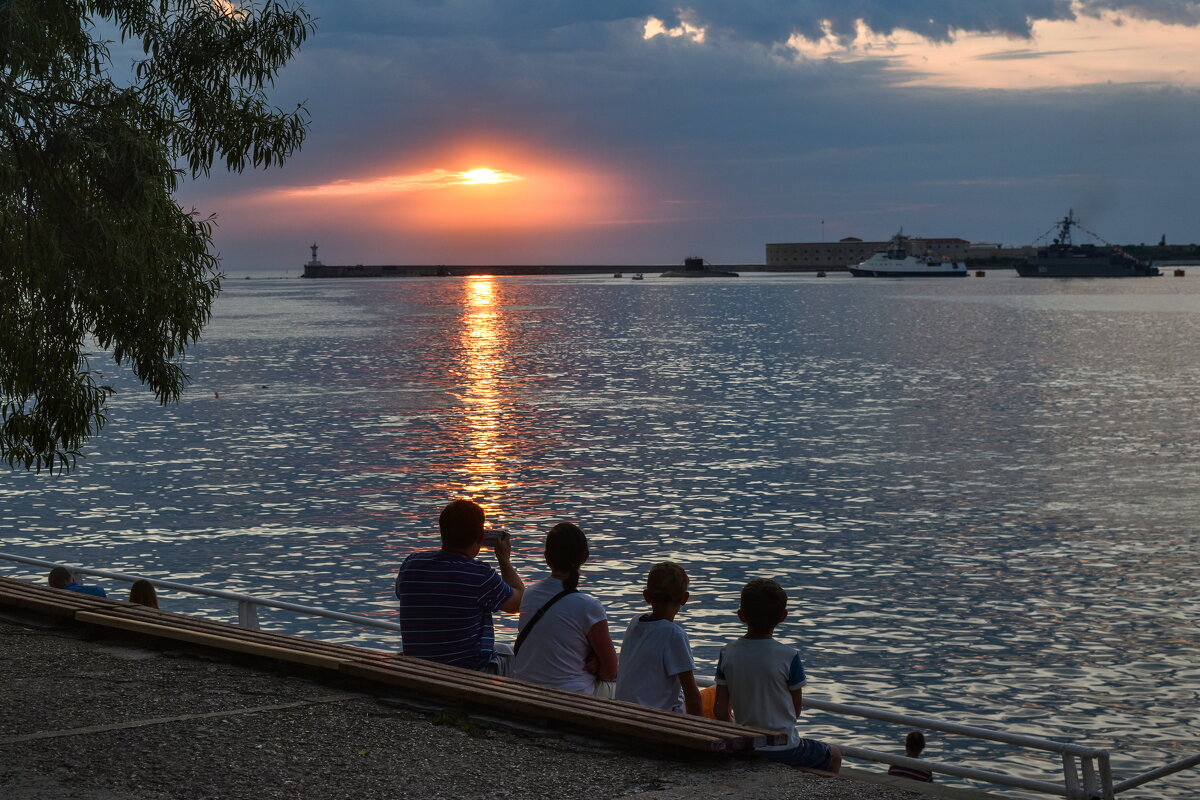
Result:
320,270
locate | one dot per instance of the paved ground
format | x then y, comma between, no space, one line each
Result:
105,719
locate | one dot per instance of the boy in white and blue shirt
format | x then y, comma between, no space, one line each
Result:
656,657
761,680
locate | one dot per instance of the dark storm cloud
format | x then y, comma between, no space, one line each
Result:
775,20
1174,12
766,21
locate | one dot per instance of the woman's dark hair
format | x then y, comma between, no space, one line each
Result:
142,592
566,550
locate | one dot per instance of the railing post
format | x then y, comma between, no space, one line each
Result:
248,614
1091,786
1106,780
1071,777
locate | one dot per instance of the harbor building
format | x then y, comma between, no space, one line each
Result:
851,250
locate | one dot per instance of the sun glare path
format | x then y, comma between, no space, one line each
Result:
482,343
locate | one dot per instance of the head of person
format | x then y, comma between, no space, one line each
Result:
914,743
666,585
59,577
142,592
764,605
461,526
566,552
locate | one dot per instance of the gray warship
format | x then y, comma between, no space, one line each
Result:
1065,259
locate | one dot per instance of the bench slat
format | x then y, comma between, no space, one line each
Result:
489,695
200,624
291,654
48,600
595,705
453,679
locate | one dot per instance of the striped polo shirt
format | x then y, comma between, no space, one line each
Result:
446,605
912,773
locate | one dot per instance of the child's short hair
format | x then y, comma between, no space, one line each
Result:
915,742
667,582
763,603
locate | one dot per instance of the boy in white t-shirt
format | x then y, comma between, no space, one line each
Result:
760,679
656,657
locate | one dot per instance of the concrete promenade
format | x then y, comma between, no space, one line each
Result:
84,718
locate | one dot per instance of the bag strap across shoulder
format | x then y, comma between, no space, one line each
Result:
524,634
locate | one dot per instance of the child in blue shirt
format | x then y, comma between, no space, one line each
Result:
656,657
60,578
761,680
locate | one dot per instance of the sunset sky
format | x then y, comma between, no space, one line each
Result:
634,131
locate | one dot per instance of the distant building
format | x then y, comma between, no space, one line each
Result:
850,251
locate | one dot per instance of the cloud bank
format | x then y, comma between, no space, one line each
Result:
723,126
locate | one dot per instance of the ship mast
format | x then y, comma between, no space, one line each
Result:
1064,230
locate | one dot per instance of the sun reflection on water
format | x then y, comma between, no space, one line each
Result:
482,342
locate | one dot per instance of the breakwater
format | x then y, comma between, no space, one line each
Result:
445,270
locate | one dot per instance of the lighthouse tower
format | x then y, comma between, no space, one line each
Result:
315,269
314,262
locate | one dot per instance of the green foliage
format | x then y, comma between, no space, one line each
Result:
94,250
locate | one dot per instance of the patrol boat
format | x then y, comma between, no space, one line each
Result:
896,261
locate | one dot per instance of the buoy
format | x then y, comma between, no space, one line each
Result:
821,274
217,395
1178,273
979,273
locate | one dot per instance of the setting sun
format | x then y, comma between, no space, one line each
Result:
483,176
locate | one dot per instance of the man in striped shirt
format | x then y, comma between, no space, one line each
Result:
447,596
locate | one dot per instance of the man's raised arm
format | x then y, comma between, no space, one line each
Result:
510,574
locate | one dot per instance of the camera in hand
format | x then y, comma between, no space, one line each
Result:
493,535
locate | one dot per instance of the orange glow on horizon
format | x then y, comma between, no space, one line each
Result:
534,194
394,184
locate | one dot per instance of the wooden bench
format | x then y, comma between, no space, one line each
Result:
48,601
383,669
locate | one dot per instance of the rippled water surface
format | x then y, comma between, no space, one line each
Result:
981,497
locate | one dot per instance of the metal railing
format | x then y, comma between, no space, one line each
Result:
1086,772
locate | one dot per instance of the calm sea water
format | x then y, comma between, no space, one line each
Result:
981,495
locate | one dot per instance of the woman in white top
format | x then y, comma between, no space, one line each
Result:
569,647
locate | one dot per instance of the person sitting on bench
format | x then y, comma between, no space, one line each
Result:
60,578
447,596
564,641
142,592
